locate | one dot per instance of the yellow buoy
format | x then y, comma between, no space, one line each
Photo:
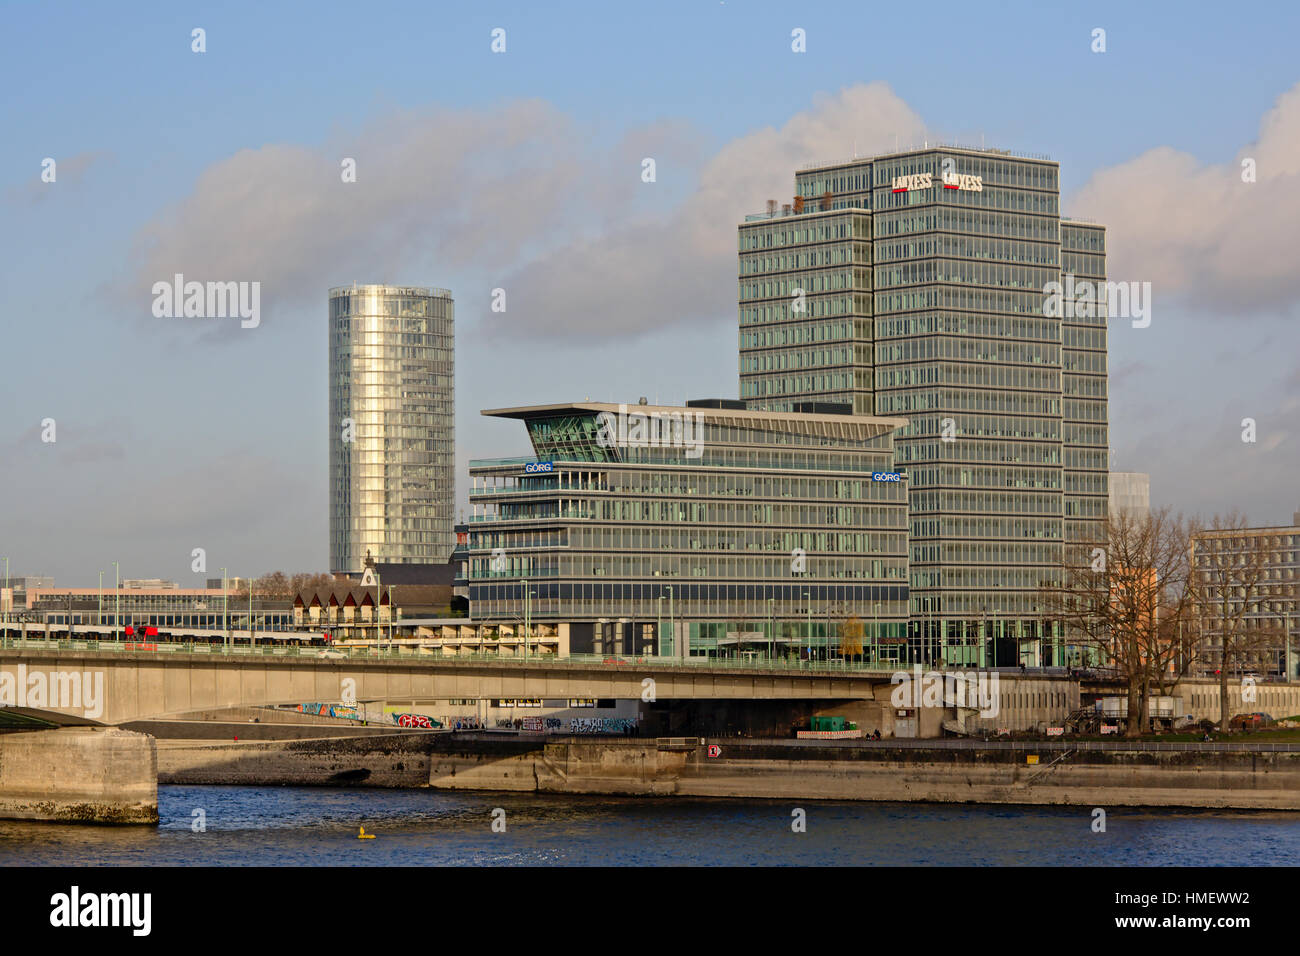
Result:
363,835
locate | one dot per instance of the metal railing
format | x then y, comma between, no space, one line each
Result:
434,651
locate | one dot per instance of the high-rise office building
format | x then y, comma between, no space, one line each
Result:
916,284
391,425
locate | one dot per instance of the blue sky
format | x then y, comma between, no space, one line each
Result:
225,163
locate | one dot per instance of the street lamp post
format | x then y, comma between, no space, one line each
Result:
117,602
828,633
99,614
9,600
528,625
993,642
771,644
808,600
875,634
682,652
926,618
252,637
1286,646
659,626
225,615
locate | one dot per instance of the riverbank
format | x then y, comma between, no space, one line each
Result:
1059,773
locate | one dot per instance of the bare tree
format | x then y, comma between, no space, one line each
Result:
1234,599
274,585
1125,599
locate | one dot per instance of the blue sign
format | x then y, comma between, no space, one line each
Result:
886,476
539,467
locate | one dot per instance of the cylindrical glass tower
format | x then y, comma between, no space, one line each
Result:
392,442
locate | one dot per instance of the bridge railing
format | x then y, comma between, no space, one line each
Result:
409,652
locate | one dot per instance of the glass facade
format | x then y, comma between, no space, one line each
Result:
1006,452
805,310
391,425
775,533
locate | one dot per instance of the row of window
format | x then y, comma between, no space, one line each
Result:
1014,200
811,258
974,299
975,400
1035,453
805,333
755,486
795,285
983,426
951,501
801,231
968,324
953,476
967,247
808,308
964,271
797,359
970,375
653,539
827,567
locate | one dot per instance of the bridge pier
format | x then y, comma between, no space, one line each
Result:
79,775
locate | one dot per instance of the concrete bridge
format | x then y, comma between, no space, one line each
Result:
99,685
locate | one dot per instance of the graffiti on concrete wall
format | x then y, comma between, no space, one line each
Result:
416,720
330,710
602,725
537,725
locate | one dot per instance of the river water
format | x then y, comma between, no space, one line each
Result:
306,826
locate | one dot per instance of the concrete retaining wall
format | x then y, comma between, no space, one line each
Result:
388,760
775,770
80,775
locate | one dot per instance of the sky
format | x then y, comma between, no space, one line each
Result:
521,170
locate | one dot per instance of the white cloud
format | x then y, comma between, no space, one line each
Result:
1196,231
581,245
680,268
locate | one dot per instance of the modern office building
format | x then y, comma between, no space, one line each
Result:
916,284
709,530
1130,492
1256,570
164,607
391,425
